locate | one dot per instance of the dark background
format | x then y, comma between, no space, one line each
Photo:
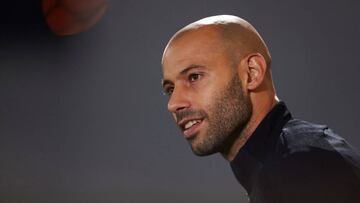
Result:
82,118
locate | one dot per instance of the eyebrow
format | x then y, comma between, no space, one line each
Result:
183,72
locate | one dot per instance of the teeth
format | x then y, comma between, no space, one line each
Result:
191,123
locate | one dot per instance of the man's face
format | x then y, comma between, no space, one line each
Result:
206,96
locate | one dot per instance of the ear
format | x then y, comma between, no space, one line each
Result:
256,70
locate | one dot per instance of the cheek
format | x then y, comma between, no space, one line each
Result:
204,93
206,101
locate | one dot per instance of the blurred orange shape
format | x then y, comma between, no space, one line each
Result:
68,17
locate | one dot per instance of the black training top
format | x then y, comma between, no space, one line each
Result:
289,160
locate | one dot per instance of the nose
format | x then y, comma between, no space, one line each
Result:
178,100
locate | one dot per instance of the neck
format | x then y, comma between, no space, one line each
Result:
260,110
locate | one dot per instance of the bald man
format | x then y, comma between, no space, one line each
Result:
217,74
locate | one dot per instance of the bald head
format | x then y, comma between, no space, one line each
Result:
216,73
236,37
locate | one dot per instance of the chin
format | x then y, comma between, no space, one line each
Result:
200,149
202,153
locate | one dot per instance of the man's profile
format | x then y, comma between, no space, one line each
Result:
217,73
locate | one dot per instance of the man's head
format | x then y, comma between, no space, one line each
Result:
216,72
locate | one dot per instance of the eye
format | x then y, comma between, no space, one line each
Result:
168,91
194,76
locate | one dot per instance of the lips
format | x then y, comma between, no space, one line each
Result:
191,123
190,126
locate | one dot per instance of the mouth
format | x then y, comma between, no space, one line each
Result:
190,127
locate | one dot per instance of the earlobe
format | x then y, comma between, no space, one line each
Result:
256,70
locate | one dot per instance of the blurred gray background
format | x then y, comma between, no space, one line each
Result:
83,119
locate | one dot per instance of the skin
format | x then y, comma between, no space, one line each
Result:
217,70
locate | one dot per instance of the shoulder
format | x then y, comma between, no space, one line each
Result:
298,134
312,139
315,148
313,161
303,136
295,129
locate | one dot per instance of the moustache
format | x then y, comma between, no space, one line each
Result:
193,113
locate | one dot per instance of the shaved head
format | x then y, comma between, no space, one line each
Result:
216,74
237,37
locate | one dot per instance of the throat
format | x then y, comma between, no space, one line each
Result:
230,152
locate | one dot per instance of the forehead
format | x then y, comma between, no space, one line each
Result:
194,47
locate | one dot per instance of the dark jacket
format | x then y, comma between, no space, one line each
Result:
288,160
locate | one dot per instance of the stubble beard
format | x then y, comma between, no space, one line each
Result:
227,117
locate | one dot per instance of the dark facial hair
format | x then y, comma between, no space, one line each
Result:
227,116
